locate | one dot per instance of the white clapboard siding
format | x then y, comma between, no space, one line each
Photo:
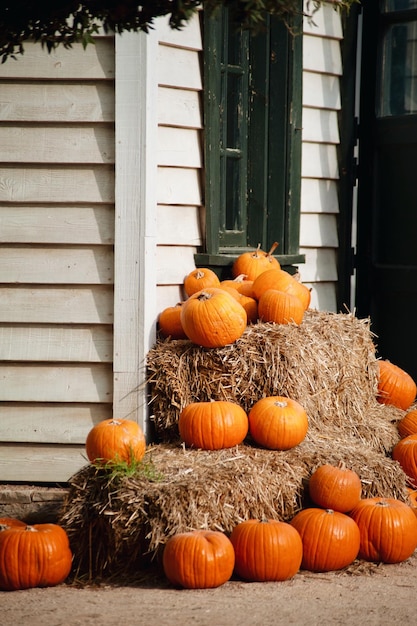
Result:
168,295
324,23
50,423
51,265
53,102
92,344
188,37
323,296
179,107
318,230
174,263
319,196
321,265
320,125
178,68
319,160
179,147
321,54
178,225
176,185
62,224
32,464
321,90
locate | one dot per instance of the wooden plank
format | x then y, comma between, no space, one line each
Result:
320,265
178,68
63,224
27,101
50,423
43,463
318,230
55,383
319,161
178,225
323,296
322,55
57,184
319,196
93,62
56,343
174,263
179,147
325,22
179,107
187,37
57,305
320,125
73,265
168,295
321,90
63,143
179,186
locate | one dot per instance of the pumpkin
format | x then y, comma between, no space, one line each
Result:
280,307
213,425
395,386
330,539
296,288
412,499
212,318
267,550
241,284
405,452
252,264
388,529
277,423
33,556
199,279
408,424
199,559
114,440
273,278
335,487
8,522
249,304
169,322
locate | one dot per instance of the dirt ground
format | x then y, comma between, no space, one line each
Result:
364,594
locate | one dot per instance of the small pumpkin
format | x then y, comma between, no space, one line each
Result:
113,440
34,556
199,279
388,529
213,425
330,539
278,423
395,386
169,322
252,264
266,550
335,487
249,304
412,499
408,424
241,284
11,522
212,318
280,307
405,452
200,559
274,278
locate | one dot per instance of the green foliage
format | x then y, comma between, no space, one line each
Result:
118,469
65,22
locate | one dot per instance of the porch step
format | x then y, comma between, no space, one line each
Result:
31,504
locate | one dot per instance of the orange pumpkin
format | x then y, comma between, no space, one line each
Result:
241,284
388,529
169,322
278,423
408,424
274,278
280,307
330,539
10,522
395,386
335,487
267,550
252,264
34,556
199,279
114,440
212,318
213,425
405,452
412,499
199,559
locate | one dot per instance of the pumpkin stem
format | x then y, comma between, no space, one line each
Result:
273,248
256,253
281,403
240,278
199,274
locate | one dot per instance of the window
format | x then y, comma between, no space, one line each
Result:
252,119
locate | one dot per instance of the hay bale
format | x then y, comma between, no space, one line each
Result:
328,364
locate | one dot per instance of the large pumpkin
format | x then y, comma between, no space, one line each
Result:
280,307
252,264
267,550
33,556
388,529
278,423
213,425
395,386
115,440
335,487
408,424
405,452
199,279
330,539
199,559
212,318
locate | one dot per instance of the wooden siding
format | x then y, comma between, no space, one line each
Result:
56,257
322,68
